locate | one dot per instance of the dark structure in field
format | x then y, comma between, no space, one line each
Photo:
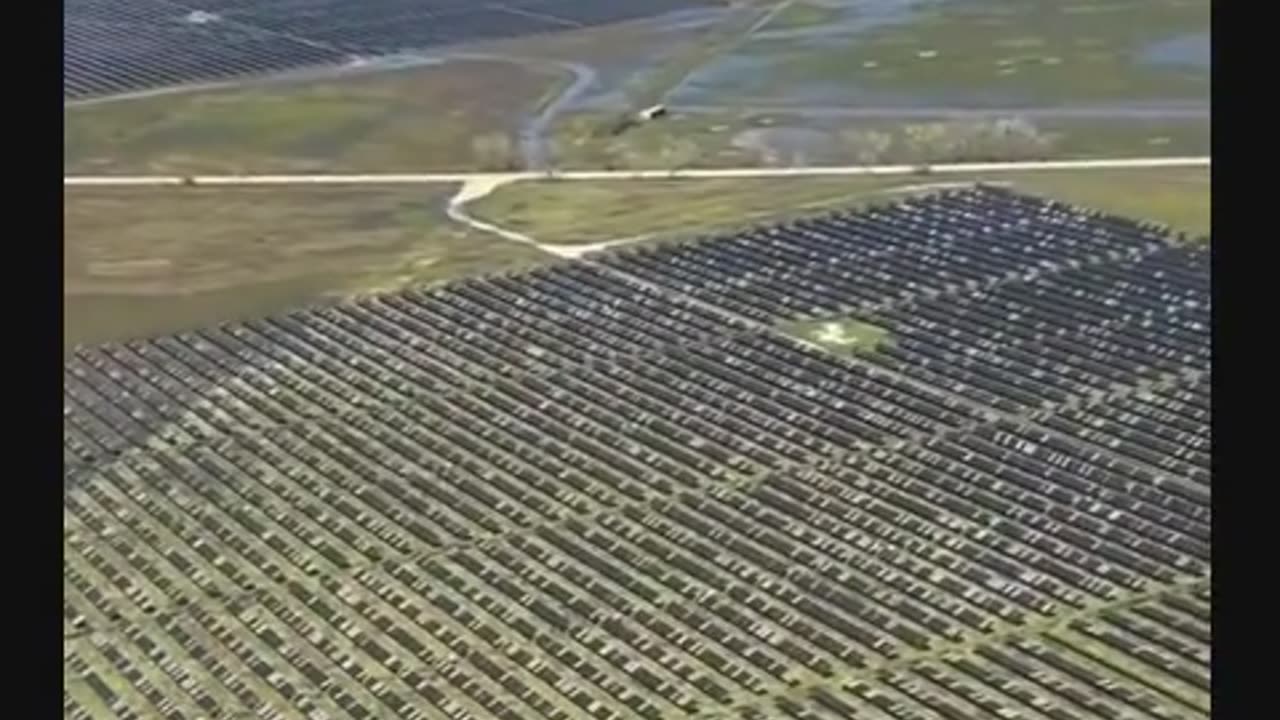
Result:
119,46
610,488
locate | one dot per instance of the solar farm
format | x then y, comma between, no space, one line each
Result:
126,46
648,484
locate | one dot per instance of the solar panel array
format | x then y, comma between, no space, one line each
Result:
120,46
610,488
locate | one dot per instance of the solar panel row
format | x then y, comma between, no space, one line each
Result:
611,488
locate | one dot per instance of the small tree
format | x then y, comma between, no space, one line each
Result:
677,153
495,151
1018,139
994,140
768,157
866,147
553,154
927,142
616,155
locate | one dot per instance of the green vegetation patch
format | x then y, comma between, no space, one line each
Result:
841,336
408,120
802,14
557,212
1177,197
1087,139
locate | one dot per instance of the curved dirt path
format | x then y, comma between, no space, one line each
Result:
480,187
535,128
474,190
534,131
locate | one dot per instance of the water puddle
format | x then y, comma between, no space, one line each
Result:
817,65
1190,51
748,70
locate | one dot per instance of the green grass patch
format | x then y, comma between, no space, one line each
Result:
407,120
841,336
1177,197
1120,138
581,213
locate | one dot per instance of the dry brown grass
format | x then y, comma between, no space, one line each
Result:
138,262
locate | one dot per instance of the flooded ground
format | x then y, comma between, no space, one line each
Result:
832,24
835,21
1190,51
964,53
617,55
666,34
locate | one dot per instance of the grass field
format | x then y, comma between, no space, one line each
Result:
578,213
841,336
407,119
139,262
